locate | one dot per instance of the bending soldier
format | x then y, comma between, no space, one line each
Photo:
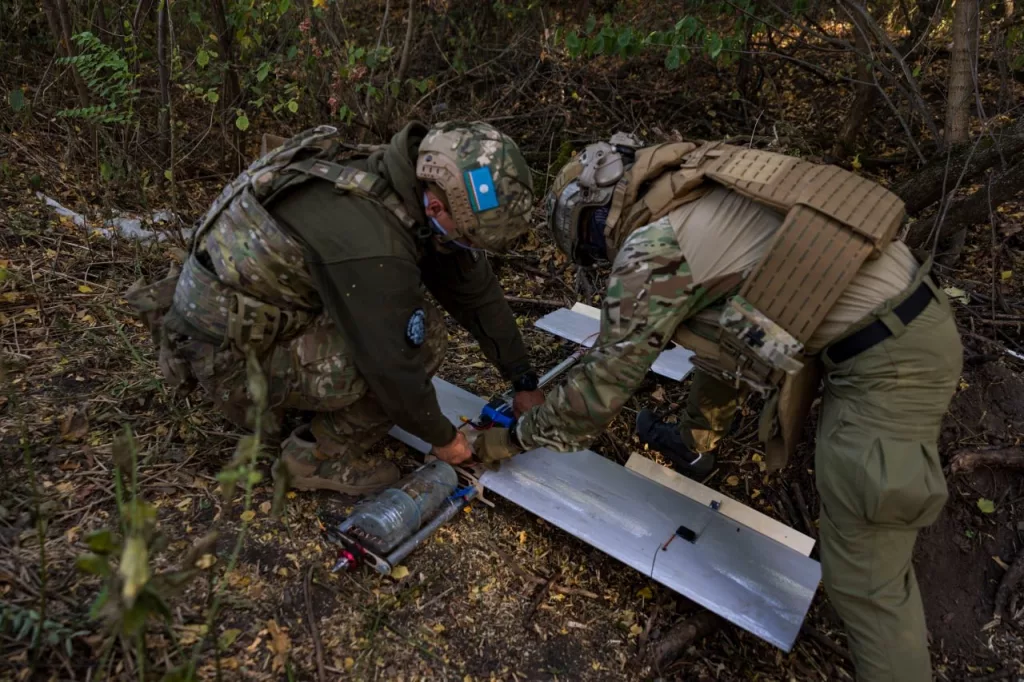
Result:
316,260
770,269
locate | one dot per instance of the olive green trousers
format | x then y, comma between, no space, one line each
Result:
878,475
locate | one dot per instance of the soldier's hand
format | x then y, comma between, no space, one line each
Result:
455,452
523,401
495,444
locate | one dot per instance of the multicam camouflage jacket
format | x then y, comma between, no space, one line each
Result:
650,293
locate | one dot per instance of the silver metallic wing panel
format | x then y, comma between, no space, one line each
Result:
582,327
747,578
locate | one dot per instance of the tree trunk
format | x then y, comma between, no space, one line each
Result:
59,19
867,92
925,187
961,71
974,209
232,88
163,21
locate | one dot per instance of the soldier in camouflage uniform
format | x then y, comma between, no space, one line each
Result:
317,260
886,346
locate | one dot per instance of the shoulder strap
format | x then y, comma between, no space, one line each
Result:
352,180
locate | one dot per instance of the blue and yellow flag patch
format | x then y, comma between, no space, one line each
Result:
480,186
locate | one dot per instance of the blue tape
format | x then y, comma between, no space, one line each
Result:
482,193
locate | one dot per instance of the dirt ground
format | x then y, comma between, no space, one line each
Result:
497,594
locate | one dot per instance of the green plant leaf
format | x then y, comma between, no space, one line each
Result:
93,564
672,59
16,98
716,46
212,96
202,58
133,620
263,72
101,600
591,23
242,122
101,542
986,506
228,637
293,106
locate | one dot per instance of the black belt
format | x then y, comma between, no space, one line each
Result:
878,331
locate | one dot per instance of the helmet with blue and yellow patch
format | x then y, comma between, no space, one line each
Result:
484,178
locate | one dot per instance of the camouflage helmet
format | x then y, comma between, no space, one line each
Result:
588,181
485,179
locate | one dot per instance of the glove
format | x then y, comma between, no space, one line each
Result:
494,445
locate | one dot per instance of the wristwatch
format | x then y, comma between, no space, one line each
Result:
526,382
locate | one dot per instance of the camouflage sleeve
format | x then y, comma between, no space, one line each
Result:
649,294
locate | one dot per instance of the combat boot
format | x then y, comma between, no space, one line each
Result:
354,473
666,439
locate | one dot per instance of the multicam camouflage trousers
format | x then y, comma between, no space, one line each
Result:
312,372
878,475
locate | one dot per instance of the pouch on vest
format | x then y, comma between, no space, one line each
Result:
151,303
764,352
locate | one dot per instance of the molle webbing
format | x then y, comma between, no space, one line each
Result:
834,221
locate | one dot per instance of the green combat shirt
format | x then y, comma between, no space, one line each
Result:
370,272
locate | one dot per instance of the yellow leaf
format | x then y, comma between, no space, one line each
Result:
595,665
856,162
248,515
399,572
732,481
290,494
205,561
349,663
522,537
439,628
319,4
756,457
280,644
134,568
265,507
645,593
85,288
1006,274
635,630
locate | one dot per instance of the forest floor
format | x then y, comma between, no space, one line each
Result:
497,594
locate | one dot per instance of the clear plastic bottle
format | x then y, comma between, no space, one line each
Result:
383,521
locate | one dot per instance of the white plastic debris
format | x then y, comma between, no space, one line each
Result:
126,225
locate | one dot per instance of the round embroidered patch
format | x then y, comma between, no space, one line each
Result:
416,328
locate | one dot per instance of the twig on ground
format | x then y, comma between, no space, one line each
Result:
969,460
1000,674
805,512
682,635
1010,579
314,631
823,641
535,301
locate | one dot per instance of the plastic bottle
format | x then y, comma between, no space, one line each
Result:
382,522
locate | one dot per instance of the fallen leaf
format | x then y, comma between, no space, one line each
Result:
1006,274
85,288
74,425
1002,564
439,628
986,506
958,295
732,481
280,644
635,630
645,593
399,572
248,515
205,561
228,637
522,537
265,507
658,394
